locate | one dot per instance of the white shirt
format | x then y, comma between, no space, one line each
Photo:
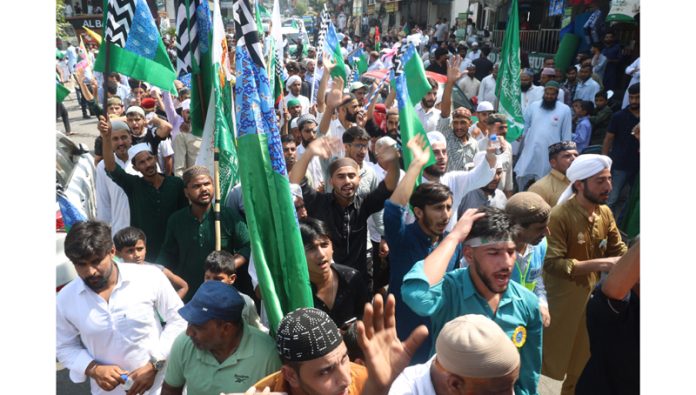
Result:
541,129
304,102
126,331
533,94
314,168
487,90
473,55
428,118
463,182
586,90
470,86
414,380
634,71
112,202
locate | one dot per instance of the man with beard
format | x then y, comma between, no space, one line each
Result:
338,290
497,125
530,92
461,148
469,84
551,186
531,214
586,88
112,202
439,64
486,90
219,352
546,121
393,125
345,105
190,234
109,321
152,198
479,130
486,196
343,210
584,242
307,125
459,182
294,108
186,144
623,148
294,85
571,83
484,287
426,111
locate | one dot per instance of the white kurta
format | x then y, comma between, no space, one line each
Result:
487,90
634,71
428,118
112,202
541,129
304,102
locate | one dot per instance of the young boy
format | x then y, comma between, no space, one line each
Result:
583,128
130,248
219,266
600,119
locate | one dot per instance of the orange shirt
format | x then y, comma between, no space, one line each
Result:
277,382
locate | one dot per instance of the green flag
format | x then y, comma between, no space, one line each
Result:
202,70
135,46
508,86
61,92
333,47
417,82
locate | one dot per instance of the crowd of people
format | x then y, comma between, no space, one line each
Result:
476,268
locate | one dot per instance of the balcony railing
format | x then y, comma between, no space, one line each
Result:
543,40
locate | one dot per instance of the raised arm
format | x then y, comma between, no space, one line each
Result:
332,102
107,150
420,153
324,82
164,128
436,263
453,75
624,275
321,147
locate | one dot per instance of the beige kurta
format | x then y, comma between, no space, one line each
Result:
573,238
551,186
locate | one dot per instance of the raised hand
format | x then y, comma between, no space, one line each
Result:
453,73
420,152
334,97
463,227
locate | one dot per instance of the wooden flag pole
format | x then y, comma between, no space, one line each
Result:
216,207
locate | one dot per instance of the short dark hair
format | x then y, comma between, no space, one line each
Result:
429,193
495,224
312,229
602,94
220,262
354,133
128,237
287,138
350,338
586,66
587,106
571,68
87,239
634,89
441,51
485,50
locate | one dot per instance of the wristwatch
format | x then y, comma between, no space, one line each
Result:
158,364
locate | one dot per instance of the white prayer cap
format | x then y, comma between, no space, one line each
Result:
136,149
137,110
384,141
296,191
291,80
484,106
583,167
293,123
436,137
119,125
186,105
473,345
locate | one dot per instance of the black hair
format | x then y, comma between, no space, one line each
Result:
128,237
495,224
355,133
219,262
587,106
602,94
350,338
287,138
634,89
485,50
112,87
571,68
373,129
441,51
429,193
88,239
312,229
587,66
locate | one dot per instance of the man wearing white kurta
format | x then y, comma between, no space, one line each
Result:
487,88
426,111
294,84
112,202
546,122
109,319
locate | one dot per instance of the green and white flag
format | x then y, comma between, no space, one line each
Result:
508,86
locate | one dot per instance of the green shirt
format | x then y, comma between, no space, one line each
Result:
150,207
255,358
188,242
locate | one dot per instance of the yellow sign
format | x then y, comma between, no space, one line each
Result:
392,6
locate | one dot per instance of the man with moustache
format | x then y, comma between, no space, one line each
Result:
308,129
109,321
343,211
484,287
426,111
468,83
461,148
546,121
346,107
488,195
112,202
152,198
289,150
530,92
487,88
393,125
551,186
190,234
583,242
338,290
459,182
294,84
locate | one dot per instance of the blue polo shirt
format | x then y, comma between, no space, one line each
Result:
408,244
455,295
